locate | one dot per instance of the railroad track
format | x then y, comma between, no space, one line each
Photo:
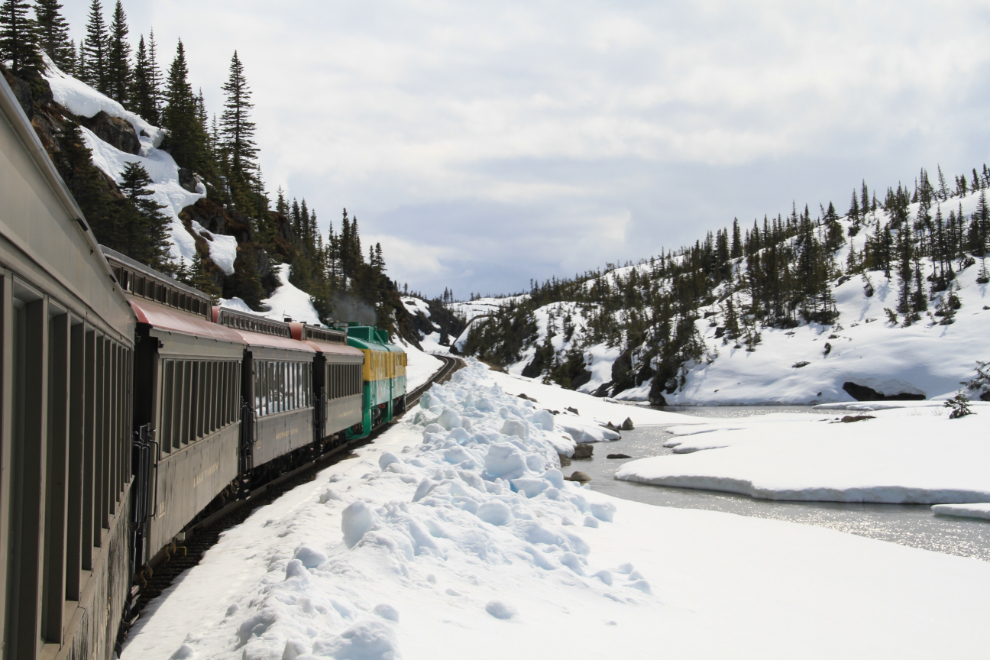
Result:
177,558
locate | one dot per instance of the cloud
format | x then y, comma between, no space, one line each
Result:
489,143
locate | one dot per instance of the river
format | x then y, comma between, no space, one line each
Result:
908,524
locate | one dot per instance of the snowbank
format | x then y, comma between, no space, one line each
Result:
420,366
910,455
963,510
461,540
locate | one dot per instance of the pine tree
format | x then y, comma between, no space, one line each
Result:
155,78
149,235
236,126
186,138
53,34
118,56
96,50
19,38
142,97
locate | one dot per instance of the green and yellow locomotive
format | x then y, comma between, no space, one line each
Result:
383,377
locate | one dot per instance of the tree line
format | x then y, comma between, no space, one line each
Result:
779,273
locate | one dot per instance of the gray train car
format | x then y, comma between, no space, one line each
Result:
277,384
65,416
187,373
336,380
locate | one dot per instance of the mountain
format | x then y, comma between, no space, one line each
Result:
888,301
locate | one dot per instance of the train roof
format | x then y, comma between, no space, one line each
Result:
140,281
168,319
370,338
260,331
323,340
44,236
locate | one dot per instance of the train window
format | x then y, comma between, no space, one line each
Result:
165,425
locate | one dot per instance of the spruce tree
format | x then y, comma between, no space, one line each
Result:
142,96
118,56
53,34
149,242
236,126
97,45
155,78
19,38
186,138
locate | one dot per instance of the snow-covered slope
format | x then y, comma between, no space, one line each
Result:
83,101
454,536
810,363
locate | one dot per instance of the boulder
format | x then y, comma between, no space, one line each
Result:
848,419
583,452
116,132
618,456
564,460
579,477
627,425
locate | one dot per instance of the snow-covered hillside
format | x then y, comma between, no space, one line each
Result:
810,363
84,101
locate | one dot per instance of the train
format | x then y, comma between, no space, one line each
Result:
132,408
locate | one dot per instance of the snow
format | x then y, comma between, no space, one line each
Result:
911,455
416,306
963,510
288,301
82,100
238,305
420,366
429,559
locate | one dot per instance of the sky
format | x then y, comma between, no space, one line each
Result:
488,144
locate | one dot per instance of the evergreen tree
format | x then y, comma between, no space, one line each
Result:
236,126
142,96
19,38
149,234
155,78
53,34
181,117
96,50
118,57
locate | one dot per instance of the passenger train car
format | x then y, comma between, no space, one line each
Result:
131,408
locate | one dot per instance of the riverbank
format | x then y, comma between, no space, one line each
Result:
455,536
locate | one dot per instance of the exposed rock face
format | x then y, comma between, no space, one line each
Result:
216,220
22,92
863,393
116,132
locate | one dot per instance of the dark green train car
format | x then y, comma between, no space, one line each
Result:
383,377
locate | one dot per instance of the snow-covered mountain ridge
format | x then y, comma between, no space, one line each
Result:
866,349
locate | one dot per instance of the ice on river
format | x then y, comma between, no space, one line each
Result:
455,536
913,454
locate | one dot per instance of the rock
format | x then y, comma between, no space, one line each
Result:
564,460
583,452
618,456
572,410
22,92
627,425
118,133
527,398
719,332
848,419
611,427
863,393
579,477
191,181
799,365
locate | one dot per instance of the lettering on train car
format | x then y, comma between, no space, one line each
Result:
208,472
285,434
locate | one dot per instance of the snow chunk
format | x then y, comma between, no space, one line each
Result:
495,512
515,428
358,519
505,461
500,610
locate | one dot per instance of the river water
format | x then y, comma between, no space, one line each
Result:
908,524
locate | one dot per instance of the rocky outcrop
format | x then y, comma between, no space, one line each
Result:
216,220
864,393
117,132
